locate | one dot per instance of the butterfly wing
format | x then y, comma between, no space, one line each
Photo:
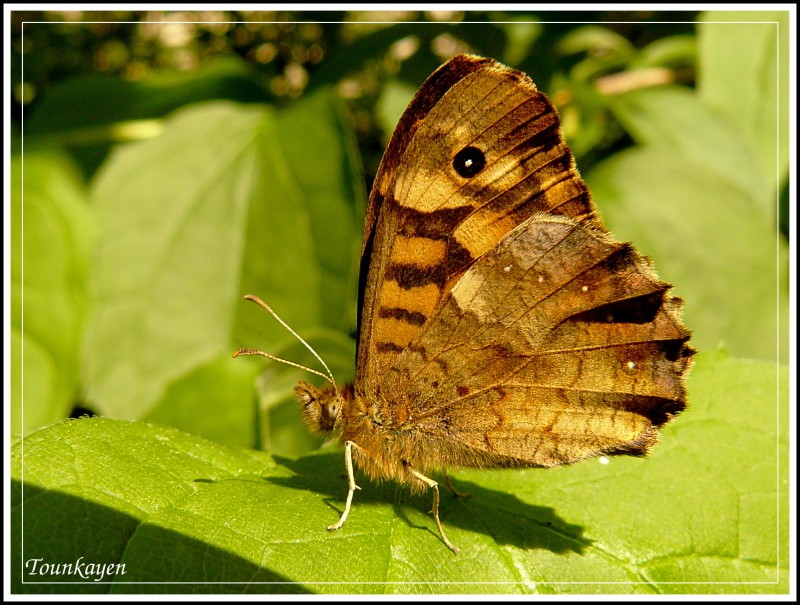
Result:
558,345
430,218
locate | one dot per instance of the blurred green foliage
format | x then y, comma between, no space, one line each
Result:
235,155
147,64
174,161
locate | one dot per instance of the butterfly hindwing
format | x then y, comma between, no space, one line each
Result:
525,362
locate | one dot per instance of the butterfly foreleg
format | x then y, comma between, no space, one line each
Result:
351,484
435,510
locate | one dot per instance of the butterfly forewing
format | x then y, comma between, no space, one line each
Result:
430,218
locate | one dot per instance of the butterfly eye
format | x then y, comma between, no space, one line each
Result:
469,162
332,410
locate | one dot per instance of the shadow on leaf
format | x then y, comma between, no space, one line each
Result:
500,515
59,529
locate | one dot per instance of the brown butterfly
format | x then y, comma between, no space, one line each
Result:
500,323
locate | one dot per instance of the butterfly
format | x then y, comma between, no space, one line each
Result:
500,324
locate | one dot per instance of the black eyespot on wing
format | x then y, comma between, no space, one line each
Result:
469,162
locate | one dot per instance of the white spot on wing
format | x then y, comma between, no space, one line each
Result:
469,293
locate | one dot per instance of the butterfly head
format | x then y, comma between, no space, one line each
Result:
321,408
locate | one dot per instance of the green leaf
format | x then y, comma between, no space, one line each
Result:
700,196
744,73
598,39
521,33
677,120
227,200
119,99
706,513
680,49
709,239
215,401
173,213
327,169
52,233
102,110
395,97
106,485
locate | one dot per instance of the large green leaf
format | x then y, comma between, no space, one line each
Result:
217,206
677,120
744,73
173,213
52,230
707,512
708,238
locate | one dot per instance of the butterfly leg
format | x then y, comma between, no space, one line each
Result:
453,490
351,481
435,510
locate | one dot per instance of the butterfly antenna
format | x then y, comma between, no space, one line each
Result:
269,310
